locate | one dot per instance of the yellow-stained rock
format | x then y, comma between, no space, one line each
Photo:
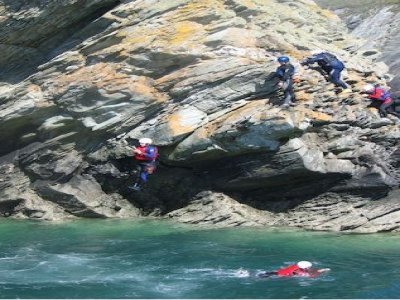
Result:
302,96
106,76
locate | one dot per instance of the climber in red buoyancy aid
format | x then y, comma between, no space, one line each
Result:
301,269
376,92
146,156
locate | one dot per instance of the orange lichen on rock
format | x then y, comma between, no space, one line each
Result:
99,75
105,76
183,32
248,3
196,5
143,86
33,88
318,116
171,33
302,96
140,37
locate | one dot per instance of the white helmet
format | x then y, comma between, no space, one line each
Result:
145,141
304,264
368,88
316,51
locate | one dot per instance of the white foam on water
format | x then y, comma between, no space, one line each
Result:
241,273
201,270
74,258
219,273
9,257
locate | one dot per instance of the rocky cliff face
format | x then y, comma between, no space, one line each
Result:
191,75
377,23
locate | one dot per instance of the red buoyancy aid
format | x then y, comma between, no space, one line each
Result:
148,153
294,270
288,271
380,94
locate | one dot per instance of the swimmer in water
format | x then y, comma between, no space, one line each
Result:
301,269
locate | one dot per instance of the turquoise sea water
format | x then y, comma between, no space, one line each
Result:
156,259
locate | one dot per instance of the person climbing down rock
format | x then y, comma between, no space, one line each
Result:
146,156
301,269
285,74
377,92
330,64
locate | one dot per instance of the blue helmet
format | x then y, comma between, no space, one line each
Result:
283,59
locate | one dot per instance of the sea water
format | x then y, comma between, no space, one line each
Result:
161,259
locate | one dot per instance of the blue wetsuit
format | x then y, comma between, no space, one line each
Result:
330,64
285,73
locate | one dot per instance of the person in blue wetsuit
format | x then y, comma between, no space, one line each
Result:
330,64
285,73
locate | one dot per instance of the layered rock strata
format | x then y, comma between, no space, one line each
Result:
376,22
